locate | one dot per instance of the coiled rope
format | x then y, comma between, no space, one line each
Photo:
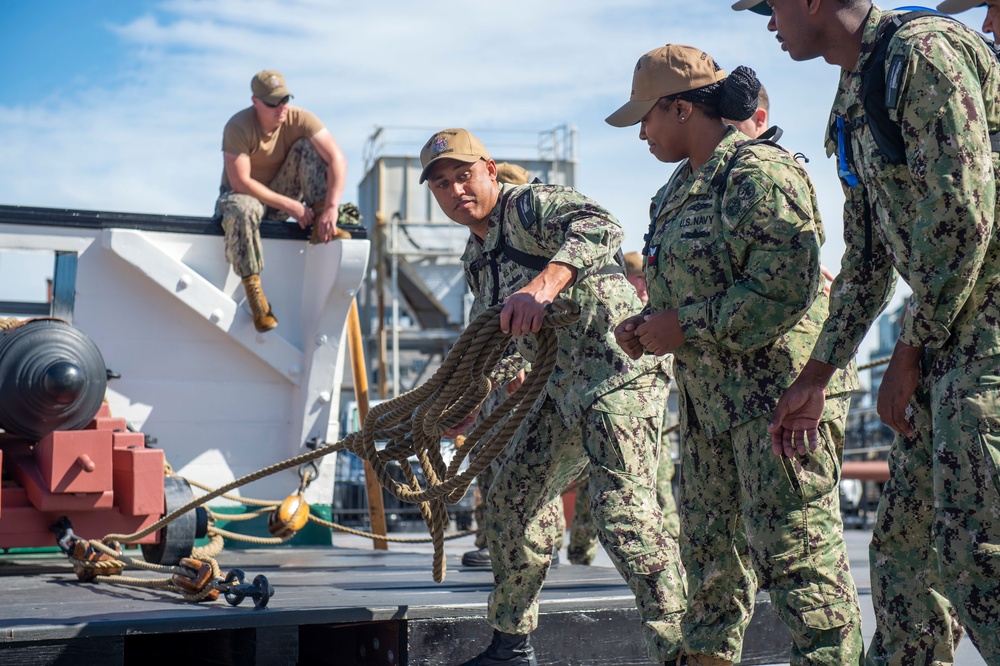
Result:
412,425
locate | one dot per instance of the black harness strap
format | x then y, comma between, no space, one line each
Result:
877,98
770,137
885,131
534,262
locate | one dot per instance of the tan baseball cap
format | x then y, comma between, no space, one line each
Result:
756,6
452,144
515,174
665,71
633,263
269,86
956,6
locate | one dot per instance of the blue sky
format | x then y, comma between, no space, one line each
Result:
119,106
63,45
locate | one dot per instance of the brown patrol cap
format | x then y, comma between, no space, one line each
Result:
515,174
956,6
269,86
633,264
451,144
756,6
668,70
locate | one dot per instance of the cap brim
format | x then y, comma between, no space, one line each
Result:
756,6
468,159
631,112
274,99
956,6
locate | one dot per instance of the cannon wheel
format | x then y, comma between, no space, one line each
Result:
177,538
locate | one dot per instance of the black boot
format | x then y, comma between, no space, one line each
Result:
477,559
506,650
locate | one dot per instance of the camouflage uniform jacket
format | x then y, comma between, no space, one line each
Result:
932,218
738,259
561,224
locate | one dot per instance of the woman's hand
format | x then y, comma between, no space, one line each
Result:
660,333
627,338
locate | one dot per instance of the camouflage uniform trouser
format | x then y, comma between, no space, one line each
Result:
302,176
544,456
485,480
747,514
935,551
583,541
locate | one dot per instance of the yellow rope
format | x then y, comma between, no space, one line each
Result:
240,517
379,537
119,561
210,550
260,541
412,425
873,364
236,498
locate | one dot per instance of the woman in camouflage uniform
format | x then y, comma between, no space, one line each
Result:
732,269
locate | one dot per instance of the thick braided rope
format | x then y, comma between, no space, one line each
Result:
267,506
873,364
413,423
101,568
214,546
380,537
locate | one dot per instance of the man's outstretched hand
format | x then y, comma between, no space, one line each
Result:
796,420
794,427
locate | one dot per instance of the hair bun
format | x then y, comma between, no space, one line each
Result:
739,94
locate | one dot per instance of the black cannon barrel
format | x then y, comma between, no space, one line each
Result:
52,377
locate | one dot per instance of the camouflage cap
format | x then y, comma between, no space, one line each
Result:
956,6
515,174
662,72
453,144
756,6
633,264
269,86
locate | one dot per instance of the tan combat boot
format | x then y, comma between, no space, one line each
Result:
317,209
702,660
263,318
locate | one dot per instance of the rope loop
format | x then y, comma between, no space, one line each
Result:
412,424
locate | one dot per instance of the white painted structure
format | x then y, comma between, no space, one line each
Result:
168,314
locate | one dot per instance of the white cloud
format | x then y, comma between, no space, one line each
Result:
147,138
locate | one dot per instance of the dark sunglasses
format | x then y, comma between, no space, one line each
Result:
283,100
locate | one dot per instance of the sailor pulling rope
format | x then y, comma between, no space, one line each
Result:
413,423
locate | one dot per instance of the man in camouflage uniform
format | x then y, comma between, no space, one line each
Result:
935,552
991,25
280,162
583,541
515,174
732,270
599,407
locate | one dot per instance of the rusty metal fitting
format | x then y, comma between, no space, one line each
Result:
290,517
196,577
85,552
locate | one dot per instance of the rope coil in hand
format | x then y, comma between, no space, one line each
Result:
412,425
